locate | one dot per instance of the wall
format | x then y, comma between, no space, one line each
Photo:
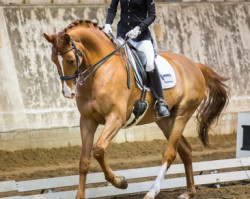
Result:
94,1
33,112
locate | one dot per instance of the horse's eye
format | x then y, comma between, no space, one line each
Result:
79,53
71,61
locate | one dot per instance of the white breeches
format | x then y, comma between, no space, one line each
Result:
146,46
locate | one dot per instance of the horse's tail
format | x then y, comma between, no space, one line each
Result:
215,100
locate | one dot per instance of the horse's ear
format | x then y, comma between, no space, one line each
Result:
49,38
66,38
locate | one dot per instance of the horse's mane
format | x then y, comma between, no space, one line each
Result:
86,24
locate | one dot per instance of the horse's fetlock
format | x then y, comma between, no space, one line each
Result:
110,178
192,191
157,188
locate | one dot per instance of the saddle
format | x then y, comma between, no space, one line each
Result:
137,60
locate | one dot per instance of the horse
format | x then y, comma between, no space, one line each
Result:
103,97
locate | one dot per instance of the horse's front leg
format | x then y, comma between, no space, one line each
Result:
88,129
111,128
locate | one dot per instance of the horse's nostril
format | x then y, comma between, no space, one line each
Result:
73,95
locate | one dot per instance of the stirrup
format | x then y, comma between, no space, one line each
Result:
161,109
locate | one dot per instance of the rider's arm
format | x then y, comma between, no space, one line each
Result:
151,15
112,11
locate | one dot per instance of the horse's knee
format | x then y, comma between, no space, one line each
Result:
84,165
98,151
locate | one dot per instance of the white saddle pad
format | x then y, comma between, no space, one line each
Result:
168,78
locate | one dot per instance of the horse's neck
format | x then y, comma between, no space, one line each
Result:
97,45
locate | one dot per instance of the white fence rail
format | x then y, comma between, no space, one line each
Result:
59,182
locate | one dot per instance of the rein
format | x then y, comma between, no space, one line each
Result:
78,73
101,62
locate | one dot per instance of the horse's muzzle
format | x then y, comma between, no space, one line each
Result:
69,95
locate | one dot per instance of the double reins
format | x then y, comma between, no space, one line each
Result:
78,73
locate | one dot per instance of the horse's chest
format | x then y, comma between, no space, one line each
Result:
91,110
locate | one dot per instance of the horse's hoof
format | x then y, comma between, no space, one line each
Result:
120,182
80,197
187,195
148,196
181,197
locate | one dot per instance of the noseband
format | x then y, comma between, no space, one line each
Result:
77,73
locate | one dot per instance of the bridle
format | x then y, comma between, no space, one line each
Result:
78,73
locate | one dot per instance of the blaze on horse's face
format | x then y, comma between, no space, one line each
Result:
66,63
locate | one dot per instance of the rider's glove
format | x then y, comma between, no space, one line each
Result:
132,34
107,28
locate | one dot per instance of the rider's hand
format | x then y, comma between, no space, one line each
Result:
132,34
107,28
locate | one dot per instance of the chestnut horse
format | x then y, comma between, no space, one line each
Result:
104,98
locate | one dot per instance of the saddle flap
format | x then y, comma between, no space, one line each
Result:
140,62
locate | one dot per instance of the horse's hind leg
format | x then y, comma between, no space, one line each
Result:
112,126
185,152
169,155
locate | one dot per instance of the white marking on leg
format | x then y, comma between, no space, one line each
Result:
155,188
182,196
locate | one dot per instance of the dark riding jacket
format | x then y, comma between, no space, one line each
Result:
133,13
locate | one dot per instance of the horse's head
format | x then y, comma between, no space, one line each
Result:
67,54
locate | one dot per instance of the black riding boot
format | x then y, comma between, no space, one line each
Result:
161,107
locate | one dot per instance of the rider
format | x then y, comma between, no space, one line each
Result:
136,16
